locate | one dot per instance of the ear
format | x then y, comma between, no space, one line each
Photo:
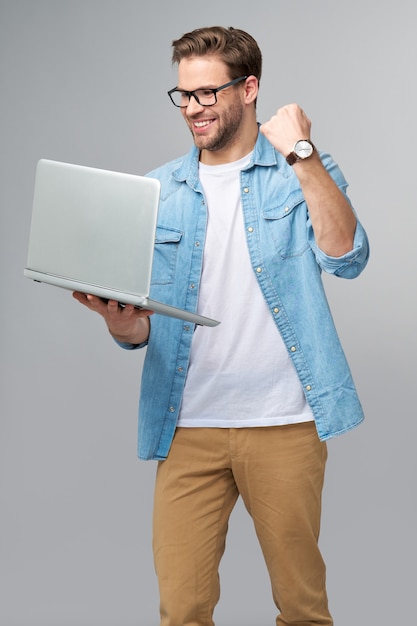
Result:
251,89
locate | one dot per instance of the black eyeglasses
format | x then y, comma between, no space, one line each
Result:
204,97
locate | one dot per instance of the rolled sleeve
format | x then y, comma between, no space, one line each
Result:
130,346
351,264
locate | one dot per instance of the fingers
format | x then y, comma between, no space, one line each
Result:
288,125
94,303
110,309
292,113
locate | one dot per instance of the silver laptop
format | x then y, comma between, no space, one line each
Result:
93,231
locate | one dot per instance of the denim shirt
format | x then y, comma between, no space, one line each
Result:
287,264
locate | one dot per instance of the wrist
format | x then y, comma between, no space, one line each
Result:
303,149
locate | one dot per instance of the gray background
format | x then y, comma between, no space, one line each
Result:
86,82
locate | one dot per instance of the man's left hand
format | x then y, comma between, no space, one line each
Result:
286,127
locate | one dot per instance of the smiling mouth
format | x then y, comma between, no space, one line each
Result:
202,124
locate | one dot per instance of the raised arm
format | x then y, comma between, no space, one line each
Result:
332,218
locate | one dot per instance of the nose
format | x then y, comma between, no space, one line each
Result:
193,106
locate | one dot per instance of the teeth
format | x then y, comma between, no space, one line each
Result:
201,124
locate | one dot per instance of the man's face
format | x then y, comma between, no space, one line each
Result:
216,127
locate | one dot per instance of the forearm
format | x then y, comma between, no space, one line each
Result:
332,217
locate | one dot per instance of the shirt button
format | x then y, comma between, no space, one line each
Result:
197,244
246,189
259,270
186,328
180,369
286,209
250,229
276,310
192,286
293,349
171,409
308,388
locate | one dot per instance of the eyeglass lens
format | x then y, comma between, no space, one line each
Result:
205,97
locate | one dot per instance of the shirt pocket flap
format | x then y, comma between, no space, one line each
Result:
164,264
164,234
278,211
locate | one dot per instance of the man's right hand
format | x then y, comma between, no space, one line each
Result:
126,324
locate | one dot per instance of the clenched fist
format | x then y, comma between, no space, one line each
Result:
286,127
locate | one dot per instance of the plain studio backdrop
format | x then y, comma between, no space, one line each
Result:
86,82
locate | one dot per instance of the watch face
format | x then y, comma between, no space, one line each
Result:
303,149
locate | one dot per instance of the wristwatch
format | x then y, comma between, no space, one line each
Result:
303,149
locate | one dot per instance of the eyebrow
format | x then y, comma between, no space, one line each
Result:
196,89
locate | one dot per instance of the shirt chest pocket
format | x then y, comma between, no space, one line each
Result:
167,241
287,226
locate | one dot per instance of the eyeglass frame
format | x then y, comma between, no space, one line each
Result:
214,91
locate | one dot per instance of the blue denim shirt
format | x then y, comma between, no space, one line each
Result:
287,264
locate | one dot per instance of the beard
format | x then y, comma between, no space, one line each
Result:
228,124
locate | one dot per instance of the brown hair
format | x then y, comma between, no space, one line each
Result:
236,48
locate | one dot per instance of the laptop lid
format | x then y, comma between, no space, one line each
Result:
93,230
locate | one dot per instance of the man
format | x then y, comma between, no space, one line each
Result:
248,220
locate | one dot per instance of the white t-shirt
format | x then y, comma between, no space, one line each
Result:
240,373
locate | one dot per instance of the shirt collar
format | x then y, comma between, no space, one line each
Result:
264,154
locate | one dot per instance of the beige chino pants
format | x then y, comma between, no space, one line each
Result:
278,472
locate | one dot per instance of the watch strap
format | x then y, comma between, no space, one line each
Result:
292,158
